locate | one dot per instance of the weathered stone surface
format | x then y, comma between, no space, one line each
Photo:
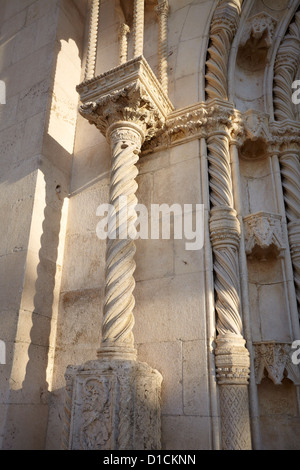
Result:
112,405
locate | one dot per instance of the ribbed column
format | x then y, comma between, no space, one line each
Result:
93,39
232,357
162,10
138,27
124,30
118,320
290,175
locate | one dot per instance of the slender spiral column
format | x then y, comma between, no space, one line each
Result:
93,39
124,30
162,10
232,357
118,320
138,27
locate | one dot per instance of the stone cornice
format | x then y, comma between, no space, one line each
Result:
129,92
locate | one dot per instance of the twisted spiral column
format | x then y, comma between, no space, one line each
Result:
138,27
232,357
124,30
223,29
290,176
93,39
118,320
162,10
285,70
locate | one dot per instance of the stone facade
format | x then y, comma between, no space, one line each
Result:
140,343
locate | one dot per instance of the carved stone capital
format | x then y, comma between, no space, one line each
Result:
273,360
112,405
286,134
263,235
128,93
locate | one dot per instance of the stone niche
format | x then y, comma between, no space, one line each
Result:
256,41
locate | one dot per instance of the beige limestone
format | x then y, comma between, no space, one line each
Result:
55,172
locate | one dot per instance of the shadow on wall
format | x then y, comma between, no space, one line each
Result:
30,366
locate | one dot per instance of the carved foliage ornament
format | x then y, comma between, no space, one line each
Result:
263,235
112,405
274,358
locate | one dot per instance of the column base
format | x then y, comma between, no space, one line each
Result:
112,405
233,370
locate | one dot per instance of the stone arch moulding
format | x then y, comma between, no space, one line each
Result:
282,31
247,5
222,32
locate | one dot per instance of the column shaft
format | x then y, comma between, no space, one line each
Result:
138,19
232,357
290,175
118,320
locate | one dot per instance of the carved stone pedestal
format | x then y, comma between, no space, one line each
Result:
112,405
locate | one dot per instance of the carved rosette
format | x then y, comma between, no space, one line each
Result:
263,235
115,406
273,360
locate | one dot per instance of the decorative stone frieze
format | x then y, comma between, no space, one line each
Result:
273,360
196,122
263,235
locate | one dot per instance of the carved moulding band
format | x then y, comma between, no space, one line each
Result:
112,405
274,359
263,235
198,121
224,227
